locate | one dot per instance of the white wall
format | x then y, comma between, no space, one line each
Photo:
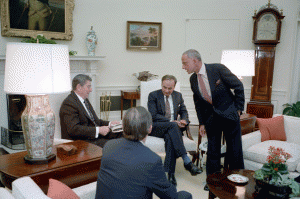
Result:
109,17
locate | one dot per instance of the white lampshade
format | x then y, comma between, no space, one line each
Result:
32,68
240,62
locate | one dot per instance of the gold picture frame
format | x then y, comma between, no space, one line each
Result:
58,15
144,36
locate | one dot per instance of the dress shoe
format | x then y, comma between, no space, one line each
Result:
192,169
206,187
172,179
297,179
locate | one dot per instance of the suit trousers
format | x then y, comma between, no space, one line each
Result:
101,140
234,152
174,146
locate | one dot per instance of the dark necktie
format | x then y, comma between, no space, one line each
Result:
89,108
203,89
168,109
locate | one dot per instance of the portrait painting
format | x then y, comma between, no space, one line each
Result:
144,36
29,18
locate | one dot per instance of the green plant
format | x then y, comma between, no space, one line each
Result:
292,109
275,171
41,38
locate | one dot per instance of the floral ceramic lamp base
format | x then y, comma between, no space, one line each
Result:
38,121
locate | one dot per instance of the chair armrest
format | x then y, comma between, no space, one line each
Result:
251,139
188,132
5,194
26,188
86,191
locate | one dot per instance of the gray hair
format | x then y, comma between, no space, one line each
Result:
169,77
80,79
136,123
192,53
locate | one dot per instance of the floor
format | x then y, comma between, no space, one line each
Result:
187,182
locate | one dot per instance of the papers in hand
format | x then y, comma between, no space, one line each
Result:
116,128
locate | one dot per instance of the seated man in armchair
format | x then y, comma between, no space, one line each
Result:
165,105
78,119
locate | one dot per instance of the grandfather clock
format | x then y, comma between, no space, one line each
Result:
266,35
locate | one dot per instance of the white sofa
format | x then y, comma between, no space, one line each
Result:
255,152
26,188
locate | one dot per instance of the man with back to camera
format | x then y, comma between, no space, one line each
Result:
165,105
78,119
218,109
129,169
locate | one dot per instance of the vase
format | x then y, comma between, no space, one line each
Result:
91,42
274,191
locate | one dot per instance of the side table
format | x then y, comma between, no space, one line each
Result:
73,170
247,123
128,95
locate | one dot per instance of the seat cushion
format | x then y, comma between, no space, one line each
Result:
259,152
272,128
157,145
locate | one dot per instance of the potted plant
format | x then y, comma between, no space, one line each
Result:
292,109
274,175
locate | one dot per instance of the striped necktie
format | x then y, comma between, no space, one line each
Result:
89,108
168,109
203,89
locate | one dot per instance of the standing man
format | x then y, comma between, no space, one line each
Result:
165,105
78,119
218,109
129,169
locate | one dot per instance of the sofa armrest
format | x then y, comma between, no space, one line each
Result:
251,139
5,194
26,188
86,191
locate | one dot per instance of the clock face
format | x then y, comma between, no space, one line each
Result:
267,27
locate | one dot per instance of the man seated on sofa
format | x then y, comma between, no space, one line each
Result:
129,169
165,106
78,119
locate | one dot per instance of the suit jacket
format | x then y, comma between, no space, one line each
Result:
131,170
75,122
224,102
156,106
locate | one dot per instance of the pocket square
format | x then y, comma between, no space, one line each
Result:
218,82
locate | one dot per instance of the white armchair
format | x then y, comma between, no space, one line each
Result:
156,144
26,188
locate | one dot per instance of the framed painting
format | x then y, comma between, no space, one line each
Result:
144,36
29,18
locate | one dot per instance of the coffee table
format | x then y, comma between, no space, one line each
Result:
73,170
220,186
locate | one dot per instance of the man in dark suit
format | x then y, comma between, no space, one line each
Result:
165,105
78,119
129,169
218,109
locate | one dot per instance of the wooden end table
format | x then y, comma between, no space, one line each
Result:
128,95
73,170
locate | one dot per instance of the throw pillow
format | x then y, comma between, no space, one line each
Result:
59,190
272,128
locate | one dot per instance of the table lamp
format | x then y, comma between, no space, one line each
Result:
240,62
36,70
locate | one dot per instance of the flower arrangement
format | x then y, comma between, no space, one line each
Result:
275,171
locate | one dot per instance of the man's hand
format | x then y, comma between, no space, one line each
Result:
104,130
202,130
181,123
239,112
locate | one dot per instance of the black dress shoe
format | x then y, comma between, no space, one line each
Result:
192,169
206,187
172,179
297,179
